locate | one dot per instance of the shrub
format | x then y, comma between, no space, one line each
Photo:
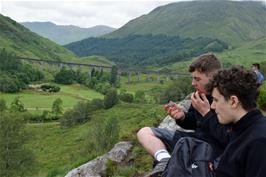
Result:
111,98
45,116
140,96
79,114
97,104
2,105
102,87
108,130
91,84
57,108
17,105
126,97
50,88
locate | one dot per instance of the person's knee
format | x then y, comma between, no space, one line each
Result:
144,132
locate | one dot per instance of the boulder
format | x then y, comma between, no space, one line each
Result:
96,167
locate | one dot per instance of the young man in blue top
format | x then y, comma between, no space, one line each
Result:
256,68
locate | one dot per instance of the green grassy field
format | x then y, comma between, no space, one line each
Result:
35,100
58,150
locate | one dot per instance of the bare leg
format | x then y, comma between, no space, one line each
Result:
149,141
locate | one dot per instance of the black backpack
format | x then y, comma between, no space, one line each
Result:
191,158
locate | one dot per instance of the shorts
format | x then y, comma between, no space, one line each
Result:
170,137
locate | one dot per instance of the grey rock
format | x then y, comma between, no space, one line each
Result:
97,166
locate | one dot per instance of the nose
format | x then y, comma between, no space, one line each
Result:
213,105
193,83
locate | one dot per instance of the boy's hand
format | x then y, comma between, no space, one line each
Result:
200,103
169,105
174,111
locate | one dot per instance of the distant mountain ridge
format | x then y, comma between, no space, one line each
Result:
179,31
233,22
16,38
64,34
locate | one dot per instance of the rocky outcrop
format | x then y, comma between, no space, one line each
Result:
97,166
169,123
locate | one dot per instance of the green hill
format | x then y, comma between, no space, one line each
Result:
233,22
97,60
250,52
143,50
20,40
64,34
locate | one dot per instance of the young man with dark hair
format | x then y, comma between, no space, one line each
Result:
159,141
235,93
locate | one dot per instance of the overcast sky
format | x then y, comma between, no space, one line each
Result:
86,13
80,13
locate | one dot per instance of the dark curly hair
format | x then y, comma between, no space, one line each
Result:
206,63
236,81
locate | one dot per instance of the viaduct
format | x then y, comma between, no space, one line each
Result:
129,72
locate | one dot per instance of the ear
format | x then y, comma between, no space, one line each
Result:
234,101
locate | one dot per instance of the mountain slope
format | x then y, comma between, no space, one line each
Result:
20,40
146,49
63,34
230,21
250,52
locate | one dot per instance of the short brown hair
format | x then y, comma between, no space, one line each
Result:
236,81
206,63
257,65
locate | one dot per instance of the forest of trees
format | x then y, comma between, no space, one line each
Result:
147,49
14,74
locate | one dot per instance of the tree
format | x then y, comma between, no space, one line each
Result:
17,105
100,74
65,76
93,72
9,84
113,77
111,98
81,77
2,105
57,107
15,75
79,114
15,158
8,61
